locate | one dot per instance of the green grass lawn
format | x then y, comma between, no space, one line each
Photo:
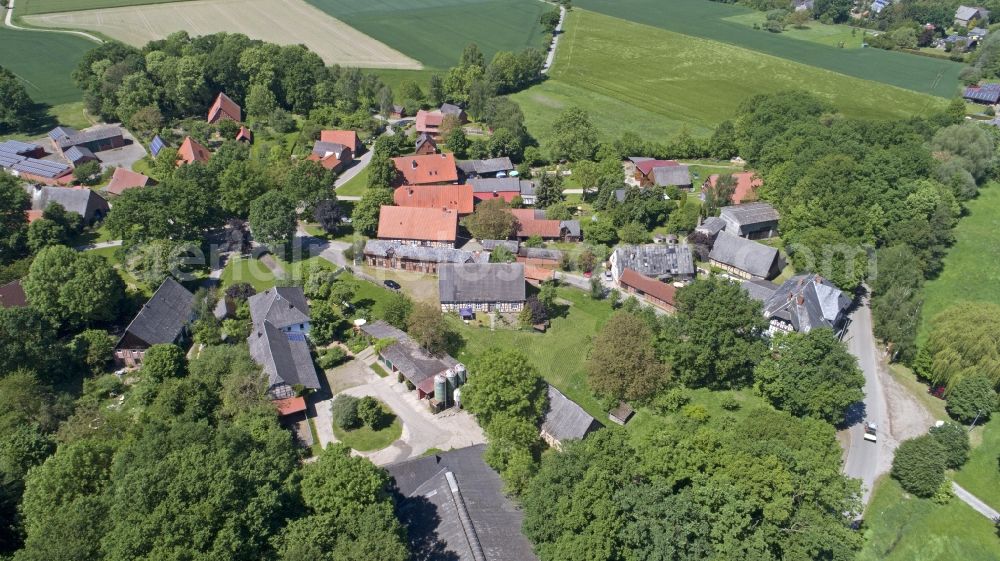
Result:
830,35
43,61
251,271
28,7
981,474
364,439
356,186
972,266
435,31
638,78
712,20
368,295
899,527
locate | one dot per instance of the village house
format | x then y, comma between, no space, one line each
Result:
747,183
12,295
711,226
966,16
661,262
284,307
94,139
481,287
662,173
192,151
244,135
493,167
457,198
465,514
745,258
333,156
988,94
754,221
532,222
224,108
424,145
280,318
397,112
801,303
163,319
124,179
348,138
410,363
79,155
539,257
432,169
429,123
81,200
658,293
565,420
505,188
452,110
435,227
424,259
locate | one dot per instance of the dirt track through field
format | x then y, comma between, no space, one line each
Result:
285,22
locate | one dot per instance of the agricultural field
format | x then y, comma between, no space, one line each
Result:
711,20
435,31
43,61
278,21
829,35
633,77
29,7
972,266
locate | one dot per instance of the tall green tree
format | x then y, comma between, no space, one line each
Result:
17,106
504,382
309,182
573,137
272,218
240,184
14,201
365,215
549,190
919,465
73,288
963,339
492,220
623,362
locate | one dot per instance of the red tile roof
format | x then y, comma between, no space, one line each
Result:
224,108
453,197
427,170
12,295
528,225
191,151
429,121
539,274
329,162
647,166
658,290
126,179
347,138
415,223
245,134
747,183
33,215
290,405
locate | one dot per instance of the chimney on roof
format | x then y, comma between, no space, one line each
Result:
801,299
413,164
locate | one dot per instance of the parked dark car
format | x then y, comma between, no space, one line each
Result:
391,284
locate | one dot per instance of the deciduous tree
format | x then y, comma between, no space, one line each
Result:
623,363
492,220
919,465
272,218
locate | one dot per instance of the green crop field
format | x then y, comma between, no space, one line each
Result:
435,31
633,77
972,267
710,20
43,61
29,7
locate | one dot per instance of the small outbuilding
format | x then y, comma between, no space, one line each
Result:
621,414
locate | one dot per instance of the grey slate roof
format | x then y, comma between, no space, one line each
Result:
77,153
386,248
711,226
565,420
750,213
679,176
163,317
92,135
572,227
620,195
967,12
490,245
807,301
321,148
746,255
284,356
481,282
60,133
479,167
450,109
454,508
281,306
656,261
539,253
407,355
84,202
759,289
424,138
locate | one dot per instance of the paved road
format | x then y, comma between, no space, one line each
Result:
354,170
8,21
99,245
332,251
864,459
550,58
973,501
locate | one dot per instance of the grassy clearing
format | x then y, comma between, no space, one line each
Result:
28,7
364,439
633,77
356,186
711,20
981,474
251,271
904,528
972,266
43,62
829,35
435,31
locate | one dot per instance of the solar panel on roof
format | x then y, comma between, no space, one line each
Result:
17,147
157,145
42,168
8,160
296,337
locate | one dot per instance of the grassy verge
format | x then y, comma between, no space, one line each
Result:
981,474
356,186
814,31
379,370
364,439
251,271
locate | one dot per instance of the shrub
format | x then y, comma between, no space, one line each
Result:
332,357
345,412
372,414
919,465
971,396
695,412
955,441
730,403
944,493
671,400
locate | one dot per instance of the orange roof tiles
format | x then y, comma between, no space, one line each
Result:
290,405
528,225
245,134
347,138
747,184
224,108
654,288
192,151
33,215
126,179
539,274
454,197
429,121
329,162
415,223
429,169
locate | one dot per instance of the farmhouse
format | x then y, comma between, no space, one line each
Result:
711,226
533,223
425,145
429,123
505,188
481,287
451,110
162,320
455,506
12,295
988,94
94,139
347,138
436,227
672,262
657,293
565,420
661,173
407,360
124,179
192,151
397,112
287,362
539,257
331,155
751,220
224,108
79,155
457,198
81,200
22,159
432,169
395,255
747,183
965,16
493,167
802,303
745,258
284,307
